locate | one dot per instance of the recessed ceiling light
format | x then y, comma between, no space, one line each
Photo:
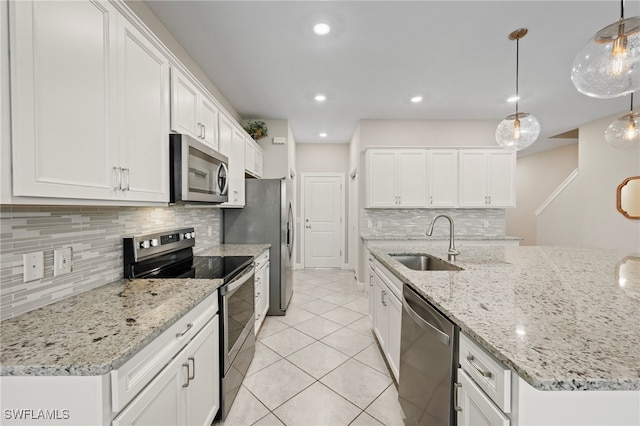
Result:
323,135
321,29
416,99
320,98
513,99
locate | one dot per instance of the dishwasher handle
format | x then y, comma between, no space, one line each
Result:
425,325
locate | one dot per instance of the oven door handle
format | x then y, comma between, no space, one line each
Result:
238,281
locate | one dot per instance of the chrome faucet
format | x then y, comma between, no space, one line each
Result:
452,252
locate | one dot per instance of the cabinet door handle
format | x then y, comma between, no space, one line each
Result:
118,171
185,332
184,385
489,197
471,358
455,396
193,361
127,173
382,298
430,199
204,131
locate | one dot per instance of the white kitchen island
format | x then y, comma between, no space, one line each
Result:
566,321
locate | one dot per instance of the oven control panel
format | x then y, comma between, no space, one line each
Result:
141,246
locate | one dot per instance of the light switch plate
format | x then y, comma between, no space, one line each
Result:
33,266
61,261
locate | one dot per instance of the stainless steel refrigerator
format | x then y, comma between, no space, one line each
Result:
267,218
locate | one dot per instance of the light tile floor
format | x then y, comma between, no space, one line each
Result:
319,364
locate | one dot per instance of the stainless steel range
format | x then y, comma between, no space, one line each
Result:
169,254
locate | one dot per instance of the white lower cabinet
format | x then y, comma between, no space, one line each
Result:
489,393
387,315
261,289
186,392
475,408
174,380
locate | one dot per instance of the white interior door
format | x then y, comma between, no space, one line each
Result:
323,200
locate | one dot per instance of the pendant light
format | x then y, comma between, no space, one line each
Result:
624,132
608,66
521,129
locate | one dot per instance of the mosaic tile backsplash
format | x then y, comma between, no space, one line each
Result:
414,222
95,237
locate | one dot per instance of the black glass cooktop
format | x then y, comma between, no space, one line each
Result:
219,267
184,265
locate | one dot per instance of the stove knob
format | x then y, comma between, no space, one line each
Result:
145,244
187,235
193,234
154,242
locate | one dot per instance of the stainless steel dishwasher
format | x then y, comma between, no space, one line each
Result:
428,362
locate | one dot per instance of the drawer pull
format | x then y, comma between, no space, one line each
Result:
186,384
185,332
193,376
455,397
487,374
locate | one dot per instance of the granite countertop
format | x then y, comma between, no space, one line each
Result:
235,250
562,318
99,330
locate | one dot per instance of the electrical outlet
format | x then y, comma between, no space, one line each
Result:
369,224
486,224
61,261
380,224
210,231
33,266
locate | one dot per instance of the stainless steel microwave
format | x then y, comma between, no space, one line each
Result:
198,173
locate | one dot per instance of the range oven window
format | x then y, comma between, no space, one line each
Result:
239,311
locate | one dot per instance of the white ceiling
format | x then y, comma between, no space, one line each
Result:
265,59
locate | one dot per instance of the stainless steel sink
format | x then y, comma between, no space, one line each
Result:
425,262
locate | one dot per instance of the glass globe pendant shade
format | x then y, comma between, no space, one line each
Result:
608,66
624,132
517,131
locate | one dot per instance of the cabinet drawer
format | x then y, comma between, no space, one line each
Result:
473,405
128,380
390,280
489,373
262,260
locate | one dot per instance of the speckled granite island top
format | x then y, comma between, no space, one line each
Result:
562,318
97,331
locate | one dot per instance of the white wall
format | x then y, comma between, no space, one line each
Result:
588,206
323,158
145,14
275,157
427,133
537,176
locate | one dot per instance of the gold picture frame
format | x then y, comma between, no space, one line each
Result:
628,197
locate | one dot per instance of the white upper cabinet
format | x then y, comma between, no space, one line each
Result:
143,141
442,176
396,178
252,158
193,112
487,178
78,70
63,127
232,144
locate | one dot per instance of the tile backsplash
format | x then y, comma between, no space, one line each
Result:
95,237
414,222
